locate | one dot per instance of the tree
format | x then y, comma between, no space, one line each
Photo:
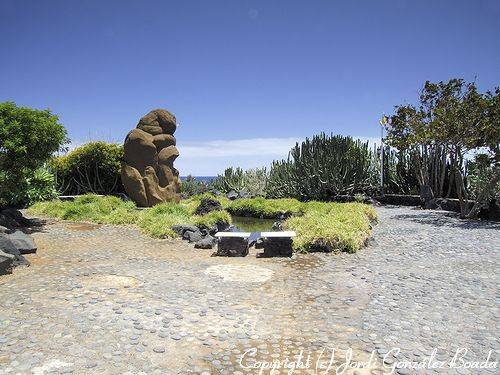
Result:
451,122
28,138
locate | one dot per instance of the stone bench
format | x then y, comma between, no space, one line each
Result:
236,244
276,244
232,244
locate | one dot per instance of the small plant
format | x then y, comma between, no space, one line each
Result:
360,198
191,186
41,186
251,181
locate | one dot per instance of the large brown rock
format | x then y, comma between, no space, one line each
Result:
148,172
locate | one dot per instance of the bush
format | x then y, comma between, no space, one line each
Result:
323,167
327,166
191,186
92,168
37,187
28,138
483,181
41,186
252,181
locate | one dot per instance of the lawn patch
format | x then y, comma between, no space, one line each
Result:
156,221
332,227
265,208
320,226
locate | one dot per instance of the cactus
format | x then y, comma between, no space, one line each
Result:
253,181
327,166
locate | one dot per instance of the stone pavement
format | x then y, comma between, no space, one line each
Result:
107,300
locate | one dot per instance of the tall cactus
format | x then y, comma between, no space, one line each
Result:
323,167
327,166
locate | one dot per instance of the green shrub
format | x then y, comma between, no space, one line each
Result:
41,186
94,168
323,167
360,198
28,138
191,186
253,181
38,186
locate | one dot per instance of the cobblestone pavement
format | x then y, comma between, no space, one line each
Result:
107,300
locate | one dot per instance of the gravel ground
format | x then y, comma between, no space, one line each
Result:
107,300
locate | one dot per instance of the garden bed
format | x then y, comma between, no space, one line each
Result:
156,222
320,226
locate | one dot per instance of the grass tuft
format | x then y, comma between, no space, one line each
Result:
212,218
332,227
157,221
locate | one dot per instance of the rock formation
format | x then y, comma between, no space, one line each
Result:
148,172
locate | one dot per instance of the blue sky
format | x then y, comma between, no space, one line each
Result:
245,79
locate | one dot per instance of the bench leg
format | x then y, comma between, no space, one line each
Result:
276,247
232,247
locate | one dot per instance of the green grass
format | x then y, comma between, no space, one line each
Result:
320,226
212,218
158,220
193,202
265,208
155,222
332,227
103,210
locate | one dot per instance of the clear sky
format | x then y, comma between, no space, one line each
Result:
245,79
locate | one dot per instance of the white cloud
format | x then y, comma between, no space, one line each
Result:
238,147
212,157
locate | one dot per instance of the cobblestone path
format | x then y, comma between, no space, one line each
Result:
107,300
